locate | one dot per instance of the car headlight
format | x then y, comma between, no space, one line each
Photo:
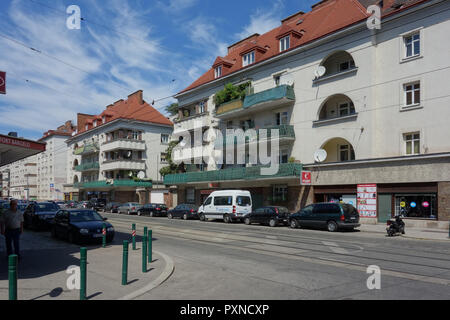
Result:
84,231
110,229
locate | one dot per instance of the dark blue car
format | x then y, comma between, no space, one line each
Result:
39,215
81,225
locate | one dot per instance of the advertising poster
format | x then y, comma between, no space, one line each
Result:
367,200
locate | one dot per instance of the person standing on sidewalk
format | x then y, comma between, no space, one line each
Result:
11,226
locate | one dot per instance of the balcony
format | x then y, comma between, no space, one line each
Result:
113,183
92,166
123,165
257,102
87,149
244,173
193,122
124,144
286,134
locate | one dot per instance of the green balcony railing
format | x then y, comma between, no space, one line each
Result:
244,173
87,149
115,183
284,131
277,93
87,166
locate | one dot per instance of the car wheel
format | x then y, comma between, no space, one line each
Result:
332,226
201,216
128,212
169,216
185,217
151,214
273,223
227,219
247,221
139,213
294,224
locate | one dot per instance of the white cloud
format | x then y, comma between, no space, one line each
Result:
176,6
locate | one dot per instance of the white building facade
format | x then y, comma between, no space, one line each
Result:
378,107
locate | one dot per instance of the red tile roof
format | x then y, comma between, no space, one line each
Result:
326,17
134,108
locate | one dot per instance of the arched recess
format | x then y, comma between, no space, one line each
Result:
75,179
339,150
336,106
337,62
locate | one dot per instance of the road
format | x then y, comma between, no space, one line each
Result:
214,260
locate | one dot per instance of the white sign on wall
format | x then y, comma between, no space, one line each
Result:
367,200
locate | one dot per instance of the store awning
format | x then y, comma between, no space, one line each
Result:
13,149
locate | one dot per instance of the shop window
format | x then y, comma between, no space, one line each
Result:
190,195
416,205
280,193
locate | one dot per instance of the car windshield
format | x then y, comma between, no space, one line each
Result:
82,216
40,207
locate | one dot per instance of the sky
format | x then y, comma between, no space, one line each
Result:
157,46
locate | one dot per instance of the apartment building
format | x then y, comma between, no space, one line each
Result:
52,164
117,154
363,110
20,179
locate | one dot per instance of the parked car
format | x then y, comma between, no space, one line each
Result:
227,205
271,215
61,204
185,211
80,225
153,210
129,208
96,204
39,215
83,204
112,207
332,216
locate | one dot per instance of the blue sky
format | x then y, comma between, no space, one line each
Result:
124,46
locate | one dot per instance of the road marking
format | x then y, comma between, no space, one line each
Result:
333,246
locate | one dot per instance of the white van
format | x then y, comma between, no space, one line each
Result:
226,205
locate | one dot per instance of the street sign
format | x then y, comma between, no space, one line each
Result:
306,178
2,82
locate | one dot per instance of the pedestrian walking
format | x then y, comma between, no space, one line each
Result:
11,226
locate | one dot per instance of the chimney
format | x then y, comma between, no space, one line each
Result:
137,96
243,42
291,18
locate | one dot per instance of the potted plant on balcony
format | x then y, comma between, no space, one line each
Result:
231,92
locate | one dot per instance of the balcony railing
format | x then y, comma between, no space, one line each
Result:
229,106
88,166
87,149
284,132
113,183
244,173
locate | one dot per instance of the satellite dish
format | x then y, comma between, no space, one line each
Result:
320,156
320,71
141,175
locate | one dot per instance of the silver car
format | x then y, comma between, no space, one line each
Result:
129,208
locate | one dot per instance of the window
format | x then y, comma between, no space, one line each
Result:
248,58
243,201
412,143
416,205
95,123
412,45
285,43
282,118
412,94
223,201
280,193
163,157
201,107
218,72
284,156
277,80
346,153
207,202
104,119
230,124
164,138
346,109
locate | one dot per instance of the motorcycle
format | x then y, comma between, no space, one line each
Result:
395,226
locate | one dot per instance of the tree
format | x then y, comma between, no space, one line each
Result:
172,109
172,167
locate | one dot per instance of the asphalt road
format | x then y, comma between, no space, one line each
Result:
214,260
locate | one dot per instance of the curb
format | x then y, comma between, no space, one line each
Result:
406,236
168,271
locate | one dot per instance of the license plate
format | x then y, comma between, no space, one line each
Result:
353,218
98,235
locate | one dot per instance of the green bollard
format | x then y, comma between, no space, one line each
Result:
125,264
144,254
12,276
149,247
83,267
133,234
104,235
145,231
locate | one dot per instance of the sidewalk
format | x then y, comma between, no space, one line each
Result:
42,271
411,233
